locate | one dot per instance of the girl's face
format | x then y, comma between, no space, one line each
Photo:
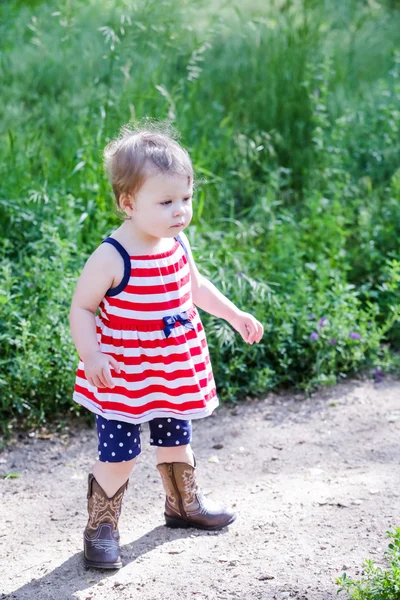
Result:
162,207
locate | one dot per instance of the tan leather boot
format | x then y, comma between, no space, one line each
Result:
185,505
101,536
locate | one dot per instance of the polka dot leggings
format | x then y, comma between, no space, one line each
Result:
119,441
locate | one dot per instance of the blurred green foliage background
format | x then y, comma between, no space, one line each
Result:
291,112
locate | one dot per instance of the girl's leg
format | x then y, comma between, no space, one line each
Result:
185,505
182,454
111,476
118,449
172,439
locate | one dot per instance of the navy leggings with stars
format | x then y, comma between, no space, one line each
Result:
119,441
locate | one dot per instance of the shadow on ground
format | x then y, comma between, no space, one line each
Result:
72,576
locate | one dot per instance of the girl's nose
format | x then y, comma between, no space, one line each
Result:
180,210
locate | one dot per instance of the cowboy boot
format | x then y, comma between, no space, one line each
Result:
101,536
185,505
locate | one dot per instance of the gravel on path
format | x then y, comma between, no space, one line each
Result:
315,482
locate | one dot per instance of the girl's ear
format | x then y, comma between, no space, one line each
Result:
126,203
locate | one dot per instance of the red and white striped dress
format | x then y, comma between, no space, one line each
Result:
163,373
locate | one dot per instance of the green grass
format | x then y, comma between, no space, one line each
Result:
377,582
290,111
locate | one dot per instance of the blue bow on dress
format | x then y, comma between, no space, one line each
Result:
170,321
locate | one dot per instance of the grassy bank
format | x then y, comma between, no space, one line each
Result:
291,114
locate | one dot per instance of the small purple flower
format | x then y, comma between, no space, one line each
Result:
314,336
378,375
240,275
332,342
311,317
354,336
322,322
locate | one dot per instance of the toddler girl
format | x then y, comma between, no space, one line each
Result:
142,348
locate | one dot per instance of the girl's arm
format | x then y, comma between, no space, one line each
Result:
207,297
96,278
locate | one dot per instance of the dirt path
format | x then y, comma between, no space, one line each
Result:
315,482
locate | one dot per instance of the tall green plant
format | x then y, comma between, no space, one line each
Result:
291,118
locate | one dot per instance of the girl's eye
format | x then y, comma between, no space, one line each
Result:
167,202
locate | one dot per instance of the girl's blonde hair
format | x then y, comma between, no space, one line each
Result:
130,158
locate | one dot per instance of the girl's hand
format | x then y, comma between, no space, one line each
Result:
98,369
249,328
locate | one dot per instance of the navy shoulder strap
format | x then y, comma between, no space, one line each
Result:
127,267
179,239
